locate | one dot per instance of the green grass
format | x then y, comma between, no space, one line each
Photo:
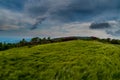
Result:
73,60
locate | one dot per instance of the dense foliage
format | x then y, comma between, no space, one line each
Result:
38,41
72,60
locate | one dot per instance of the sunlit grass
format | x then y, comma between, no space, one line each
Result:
73,60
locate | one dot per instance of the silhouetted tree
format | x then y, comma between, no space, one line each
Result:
114,41
23,42
35,40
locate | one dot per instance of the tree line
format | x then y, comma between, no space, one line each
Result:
38,41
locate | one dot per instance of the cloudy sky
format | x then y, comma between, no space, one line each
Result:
56,18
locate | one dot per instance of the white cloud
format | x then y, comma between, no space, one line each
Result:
10,20
71,29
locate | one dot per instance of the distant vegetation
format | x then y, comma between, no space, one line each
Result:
38,41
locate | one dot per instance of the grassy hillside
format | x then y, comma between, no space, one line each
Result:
73,60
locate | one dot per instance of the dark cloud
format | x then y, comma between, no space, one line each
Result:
39,20
115,33
99,25
29,14
115,28
73,10
13,4
64,10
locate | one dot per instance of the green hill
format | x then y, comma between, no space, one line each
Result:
72,60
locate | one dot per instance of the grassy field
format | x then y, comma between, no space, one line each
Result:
72,60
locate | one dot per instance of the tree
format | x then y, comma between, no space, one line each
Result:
35,40
23,42
114,41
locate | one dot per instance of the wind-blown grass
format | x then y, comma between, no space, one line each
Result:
72,60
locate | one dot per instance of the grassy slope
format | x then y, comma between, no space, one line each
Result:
73,60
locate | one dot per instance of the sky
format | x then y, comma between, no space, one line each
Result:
59,18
